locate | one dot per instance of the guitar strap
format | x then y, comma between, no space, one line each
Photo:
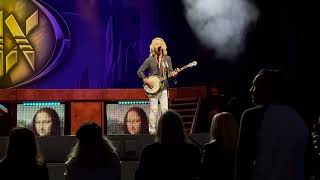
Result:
163,66
164,69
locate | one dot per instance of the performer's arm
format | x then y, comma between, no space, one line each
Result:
141,74
142,69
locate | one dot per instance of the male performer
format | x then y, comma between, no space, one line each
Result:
158,63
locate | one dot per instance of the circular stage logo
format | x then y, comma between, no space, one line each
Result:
33,39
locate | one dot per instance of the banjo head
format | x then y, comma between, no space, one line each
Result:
156,85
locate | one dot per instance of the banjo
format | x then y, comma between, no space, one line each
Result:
158,81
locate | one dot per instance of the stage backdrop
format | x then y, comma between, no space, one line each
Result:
74,44
80,44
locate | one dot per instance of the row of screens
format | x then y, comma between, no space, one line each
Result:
50,120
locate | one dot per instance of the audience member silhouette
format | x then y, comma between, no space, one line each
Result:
273,136
22,160
93,157
218,160
170,157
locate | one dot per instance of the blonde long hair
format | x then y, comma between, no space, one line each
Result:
225,130
153,48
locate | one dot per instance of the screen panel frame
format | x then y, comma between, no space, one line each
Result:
66,123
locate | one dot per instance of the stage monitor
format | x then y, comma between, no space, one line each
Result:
44,118
127,117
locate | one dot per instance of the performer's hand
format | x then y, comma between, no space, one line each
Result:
174,73
148,82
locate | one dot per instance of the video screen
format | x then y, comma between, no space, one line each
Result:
45,119
127,119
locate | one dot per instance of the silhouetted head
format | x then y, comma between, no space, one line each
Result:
22,145
93,148
224,129
136,121
46,122
268,86
170,128
89,133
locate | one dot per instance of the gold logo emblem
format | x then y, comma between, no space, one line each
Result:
20,37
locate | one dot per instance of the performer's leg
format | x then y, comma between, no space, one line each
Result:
153,115
164,101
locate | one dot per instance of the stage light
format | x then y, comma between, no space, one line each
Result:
132,102
41,103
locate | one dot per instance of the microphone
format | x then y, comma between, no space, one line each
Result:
159,49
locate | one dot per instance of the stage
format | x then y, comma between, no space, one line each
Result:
76,106
81,105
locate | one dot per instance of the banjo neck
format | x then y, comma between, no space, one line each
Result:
158,81
177,70
180,69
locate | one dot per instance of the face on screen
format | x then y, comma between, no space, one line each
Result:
43,123
133,122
